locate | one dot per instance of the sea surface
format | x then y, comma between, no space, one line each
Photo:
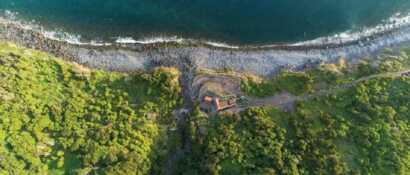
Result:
235,22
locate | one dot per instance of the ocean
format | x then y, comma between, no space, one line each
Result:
235,22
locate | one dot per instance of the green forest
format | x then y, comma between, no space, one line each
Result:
61,118
364,130
58,117
360,130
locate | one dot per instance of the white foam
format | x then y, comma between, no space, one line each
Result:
394,22
63,36
126,40
161,40
71,38
397,21
153,40
58,35
221,45
96,43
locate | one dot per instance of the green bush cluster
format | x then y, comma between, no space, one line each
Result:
61,118
325,76
292,82
363,130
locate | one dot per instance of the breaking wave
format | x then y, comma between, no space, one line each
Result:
395,22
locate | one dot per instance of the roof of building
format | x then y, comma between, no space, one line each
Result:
208,99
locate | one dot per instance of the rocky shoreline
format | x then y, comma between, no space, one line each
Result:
260,61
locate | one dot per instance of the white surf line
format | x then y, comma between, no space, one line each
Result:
395,22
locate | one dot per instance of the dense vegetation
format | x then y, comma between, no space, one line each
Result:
364,129
325,76
61,118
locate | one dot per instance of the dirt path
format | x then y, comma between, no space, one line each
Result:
285,101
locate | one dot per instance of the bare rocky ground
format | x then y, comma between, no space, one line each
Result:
230,84
264,61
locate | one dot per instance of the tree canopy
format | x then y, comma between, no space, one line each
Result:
62,118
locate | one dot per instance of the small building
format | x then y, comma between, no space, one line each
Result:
214,97
214,104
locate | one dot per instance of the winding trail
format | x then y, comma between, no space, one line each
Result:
285,101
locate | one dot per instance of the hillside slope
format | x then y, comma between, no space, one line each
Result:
362,126
62,118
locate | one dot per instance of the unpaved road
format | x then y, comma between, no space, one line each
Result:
286,101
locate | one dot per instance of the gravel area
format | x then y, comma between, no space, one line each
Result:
262,61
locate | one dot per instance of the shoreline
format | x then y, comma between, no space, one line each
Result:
263,61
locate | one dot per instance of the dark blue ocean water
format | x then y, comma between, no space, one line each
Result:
231,21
